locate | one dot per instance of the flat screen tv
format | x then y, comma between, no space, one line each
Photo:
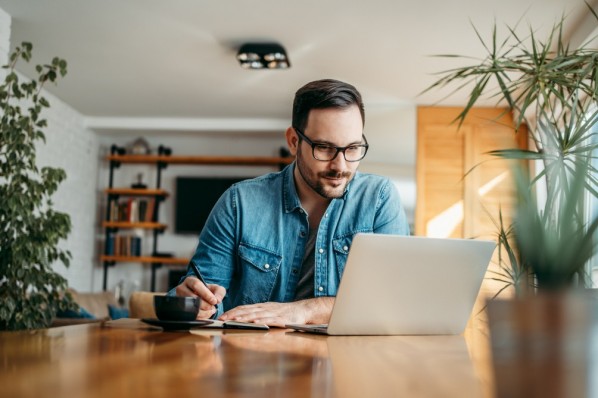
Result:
195,198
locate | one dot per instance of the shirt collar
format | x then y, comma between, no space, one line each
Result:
290,197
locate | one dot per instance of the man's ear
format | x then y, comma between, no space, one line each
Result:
292,140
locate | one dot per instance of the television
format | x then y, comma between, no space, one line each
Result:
195,198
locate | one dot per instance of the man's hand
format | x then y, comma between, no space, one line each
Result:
315,310
210,295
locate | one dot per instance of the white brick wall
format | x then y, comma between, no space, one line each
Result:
72,147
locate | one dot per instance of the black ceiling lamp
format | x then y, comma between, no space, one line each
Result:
263,56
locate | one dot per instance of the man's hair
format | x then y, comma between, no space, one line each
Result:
322,94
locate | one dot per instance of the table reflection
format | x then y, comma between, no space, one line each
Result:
102,361
415,365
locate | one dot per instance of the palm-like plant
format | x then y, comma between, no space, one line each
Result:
512,271
551,88
555,246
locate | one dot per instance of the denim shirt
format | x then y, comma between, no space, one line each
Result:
254,239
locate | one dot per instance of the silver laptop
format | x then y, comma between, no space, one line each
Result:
405,285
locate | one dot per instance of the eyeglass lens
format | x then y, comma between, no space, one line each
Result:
326,152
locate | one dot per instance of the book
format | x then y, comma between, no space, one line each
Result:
142,210
133,211
136,246
204,324
149,212
216,324
109,249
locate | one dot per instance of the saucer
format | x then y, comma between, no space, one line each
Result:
176,325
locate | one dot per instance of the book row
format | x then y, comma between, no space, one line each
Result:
123,245
132,210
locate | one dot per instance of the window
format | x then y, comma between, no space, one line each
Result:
592,212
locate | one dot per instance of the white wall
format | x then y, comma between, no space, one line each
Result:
5,22
69,145
392,152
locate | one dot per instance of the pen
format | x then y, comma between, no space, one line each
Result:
197,274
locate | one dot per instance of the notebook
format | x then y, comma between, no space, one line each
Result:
405,285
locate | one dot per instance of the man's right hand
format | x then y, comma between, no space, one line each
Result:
210,295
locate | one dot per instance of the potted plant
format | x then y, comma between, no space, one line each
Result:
540,341
30,229
551,88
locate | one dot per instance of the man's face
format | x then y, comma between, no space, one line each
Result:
334,126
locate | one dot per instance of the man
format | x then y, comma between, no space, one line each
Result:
274,248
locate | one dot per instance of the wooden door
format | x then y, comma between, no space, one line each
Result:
458,183
460,187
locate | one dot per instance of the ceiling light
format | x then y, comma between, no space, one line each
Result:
245,57
278,65
275,57
252,65
263,56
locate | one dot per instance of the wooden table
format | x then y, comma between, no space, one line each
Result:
128,359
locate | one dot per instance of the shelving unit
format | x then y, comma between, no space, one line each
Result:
160,161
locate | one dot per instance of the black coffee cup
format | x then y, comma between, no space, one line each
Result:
176,308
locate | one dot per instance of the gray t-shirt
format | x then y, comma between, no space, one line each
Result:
305,286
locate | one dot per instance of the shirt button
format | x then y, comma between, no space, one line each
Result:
301,211
294,272
302,234
345,248
321,289
321,250
267,266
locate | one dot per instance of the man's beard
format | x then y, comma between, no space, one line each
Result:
315,182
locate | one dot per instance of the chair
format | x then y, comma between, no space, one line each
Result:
141,304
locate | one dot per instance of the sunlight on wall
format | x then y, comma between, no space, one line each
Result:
484,189
444,224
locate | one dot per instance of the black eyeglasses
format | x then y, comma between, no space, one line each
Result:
326,152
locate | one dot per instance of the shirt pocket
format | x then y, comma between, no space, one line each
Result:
259,270
341,247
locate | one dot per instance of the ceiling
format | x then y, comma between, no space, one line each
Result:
137,60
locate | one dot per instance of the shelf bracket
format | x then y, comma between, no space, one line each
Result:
107,264
155,267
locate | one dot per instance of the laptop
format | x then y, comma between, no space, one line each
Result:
406,285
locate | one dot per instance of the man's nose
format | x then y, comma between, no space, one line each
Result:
339,163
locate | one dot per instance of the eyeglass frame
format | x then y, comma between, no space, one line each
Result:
338,148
